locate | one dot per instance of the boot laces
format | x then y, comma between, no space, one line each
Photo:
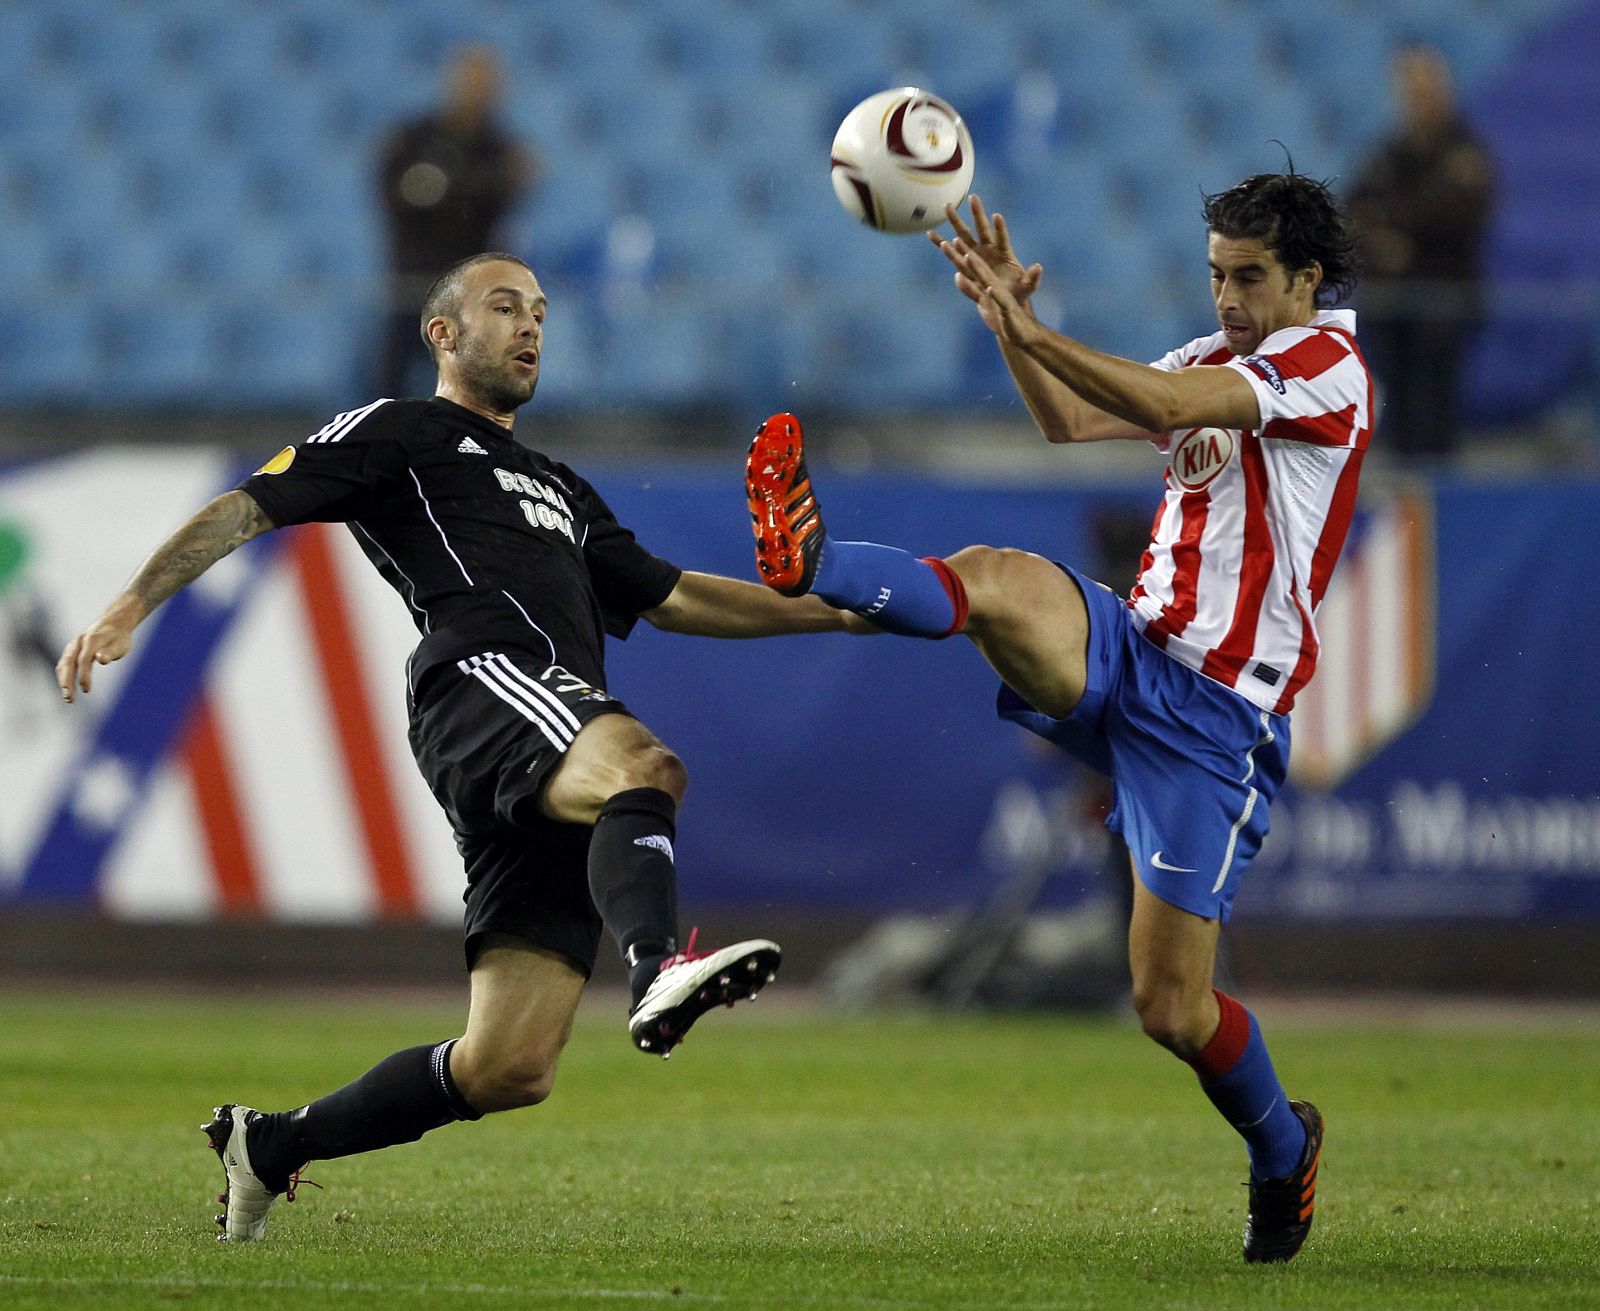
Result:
688,953
295,1181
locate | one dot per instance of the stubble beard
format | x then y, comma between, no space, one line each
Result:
491,381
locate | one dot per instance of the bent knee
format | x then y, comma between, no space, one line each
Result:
656,766
984,565
997,576
507,1085
529,1089
1172,1016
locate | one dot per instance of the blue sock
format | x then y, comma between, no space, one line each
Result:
1236,1074
892,588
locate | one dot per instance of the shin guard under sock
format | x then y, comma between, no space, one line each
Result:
892,588
397,1101
1236,1074
633,880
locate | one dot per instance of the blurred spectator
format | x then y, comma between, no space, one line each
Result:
448,179
1421,205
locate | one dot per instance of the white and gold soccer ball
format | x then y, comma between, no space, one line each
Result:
899,158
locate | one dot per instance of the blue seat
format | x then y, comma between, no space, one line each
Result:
787,118
1188,38
791,187
98,42
330,42
152,117
652,123
714,41
1324,52
51,114
298,350
1108,59
957,59
579,195
49,362
55,187
598,46
165,360
21,39
237,42
1273,110
906,355
29,256
848,47
662,350
270,120
752,263
860,260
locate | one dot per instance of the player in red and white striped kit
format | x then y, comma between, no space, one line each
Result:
1242,548
1180,694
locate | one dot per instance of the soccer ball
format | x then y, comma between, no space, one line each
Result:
899,158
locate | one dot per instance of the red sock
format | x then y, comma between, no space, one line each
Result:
1227,1045
954,588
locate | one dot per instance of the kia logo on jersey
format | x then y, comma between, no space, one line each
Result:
1200,455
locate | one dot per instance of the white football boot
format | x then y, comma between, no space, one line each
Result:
246,1199
692,983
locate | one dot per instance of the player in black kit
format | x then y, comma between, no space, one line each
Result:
563,804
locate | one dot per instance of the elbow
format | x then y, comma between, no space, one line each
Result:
1163,416
1063,430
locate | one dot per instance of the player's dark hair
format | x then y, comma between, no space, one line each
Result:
1295,217
444,297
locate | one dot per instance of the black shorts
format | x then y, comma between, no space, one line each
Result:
486,733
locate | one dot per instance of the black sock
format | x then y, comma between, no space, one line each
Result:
633,880
397,1101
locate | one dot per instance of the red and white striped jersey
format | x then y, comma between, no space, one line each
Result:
1253,520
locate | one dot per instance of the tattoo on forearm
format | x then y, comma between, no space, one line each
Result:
225,524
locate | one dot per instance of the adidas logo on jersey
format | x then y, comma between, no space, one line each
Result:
470,447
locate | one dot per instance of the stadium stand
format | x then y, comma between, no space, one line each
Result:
208,174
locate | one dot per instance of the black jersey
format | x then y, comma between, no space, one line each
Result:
491,544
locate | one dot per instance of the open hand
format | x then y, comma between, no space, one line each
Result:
990,240
1010,319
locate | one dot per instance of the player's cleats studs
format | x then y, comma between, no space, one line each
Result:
783,512
246,1199
694,982
1281,1209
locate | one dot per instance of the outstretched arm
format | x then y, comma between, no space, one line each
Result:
1060,413
1152,399
226,523
708,605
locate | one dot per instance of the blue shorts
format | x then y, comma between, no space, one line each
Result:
1194,765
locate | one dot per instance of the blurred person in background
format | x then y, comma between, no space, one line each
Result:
1421,205
563,804
447,179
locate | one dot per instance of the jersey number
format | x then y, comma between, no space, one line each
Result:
542,516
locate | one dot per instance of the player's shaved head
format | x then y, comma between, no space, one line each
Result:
444,297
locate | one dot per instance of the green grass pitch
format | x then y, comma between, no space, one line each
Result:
785,1159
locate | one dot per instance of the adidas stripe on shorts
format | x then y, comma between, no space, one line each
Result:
486,733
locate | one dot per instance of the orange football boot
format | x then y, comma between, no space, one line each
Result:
1281,1209
783,512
